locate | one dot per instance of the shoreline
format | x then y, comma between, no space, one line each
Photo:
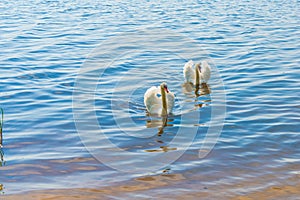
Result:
144,187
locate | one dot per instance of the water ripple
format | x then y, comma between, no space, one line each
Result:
254,45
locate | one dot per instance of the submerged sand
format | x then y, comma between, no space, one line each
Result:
144,188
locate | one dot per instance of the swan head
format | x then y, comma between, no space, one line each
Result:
164,87
198,67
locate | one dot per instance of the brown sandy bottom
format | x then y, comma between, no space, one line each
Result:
163,187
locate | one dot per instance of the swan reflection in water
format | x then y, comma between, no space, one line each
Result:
2,161
158,122
161,123
195,92
199,90
202,90
162,149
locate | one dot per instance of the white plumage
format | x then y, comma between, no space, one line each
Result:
189,72
154,97
205,72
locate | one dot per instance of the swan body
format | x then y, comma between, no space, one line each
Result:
189,72
205,71
159,100
199,74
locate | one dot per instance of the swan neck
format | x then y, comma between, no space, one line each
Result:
164,110
197,73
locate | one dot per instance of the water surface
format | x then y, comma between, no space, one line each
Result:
254,46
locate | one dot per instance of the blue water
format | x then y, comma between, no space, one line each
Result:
71,67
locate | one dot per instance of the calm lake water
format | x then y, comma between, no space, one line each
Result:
73,75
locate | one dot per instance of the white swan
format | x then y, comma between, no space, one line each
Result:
197,76
161,105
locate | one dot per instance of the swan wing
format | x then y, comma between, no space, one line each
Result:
189,72
151,101
170,101
205,72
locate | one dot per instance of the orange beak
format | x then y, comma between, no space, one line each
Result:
166,89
